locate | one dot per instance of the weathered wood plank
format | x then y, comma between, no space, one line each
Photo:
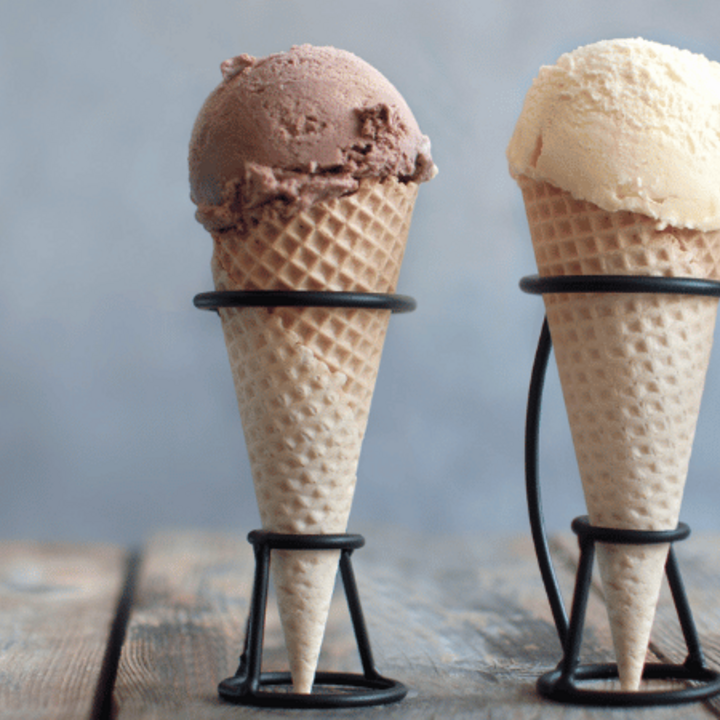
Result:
186,626
464,622
57,606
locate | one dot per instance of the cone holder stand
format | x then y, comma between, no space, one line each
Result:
249,685
246,686
561,684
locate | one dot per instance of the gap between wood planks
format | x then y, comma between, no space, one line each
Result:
104,692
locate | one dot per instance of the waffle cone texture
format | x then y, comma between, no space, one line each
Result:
304,378
632,369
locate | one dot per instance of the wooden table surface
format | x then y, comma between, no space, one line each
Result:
99,632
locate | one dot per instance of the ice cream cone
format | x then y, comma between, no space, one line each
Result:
305,376
632,369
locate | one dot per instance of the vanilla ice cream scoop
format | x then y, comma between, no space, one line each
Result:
627,125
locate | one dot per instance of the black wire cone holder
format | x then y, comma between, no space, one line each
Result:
561,684
246,687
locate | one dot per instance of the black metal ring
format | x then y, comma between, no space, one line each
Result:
304,298
288,541
553,686
358,691
581,526
537,285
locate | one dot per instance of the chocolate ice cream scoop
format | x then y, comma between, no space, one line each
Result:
300,127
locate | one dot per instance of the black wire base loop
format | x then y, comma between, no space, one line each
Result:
561,684
304,298
556,686
331,689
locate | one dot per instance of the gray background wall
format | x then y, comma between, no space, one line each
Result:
117,413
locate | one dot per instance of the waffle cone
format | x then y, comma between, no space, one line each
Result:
304,379
632,369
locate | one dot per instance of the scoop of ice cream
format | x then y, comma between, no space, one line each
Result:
299,127
628,125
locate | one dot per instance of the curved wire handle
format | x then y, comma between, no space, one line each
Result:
532,484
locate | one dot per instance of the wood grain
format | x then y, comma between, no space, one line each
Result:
463,622
186,626
57,606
